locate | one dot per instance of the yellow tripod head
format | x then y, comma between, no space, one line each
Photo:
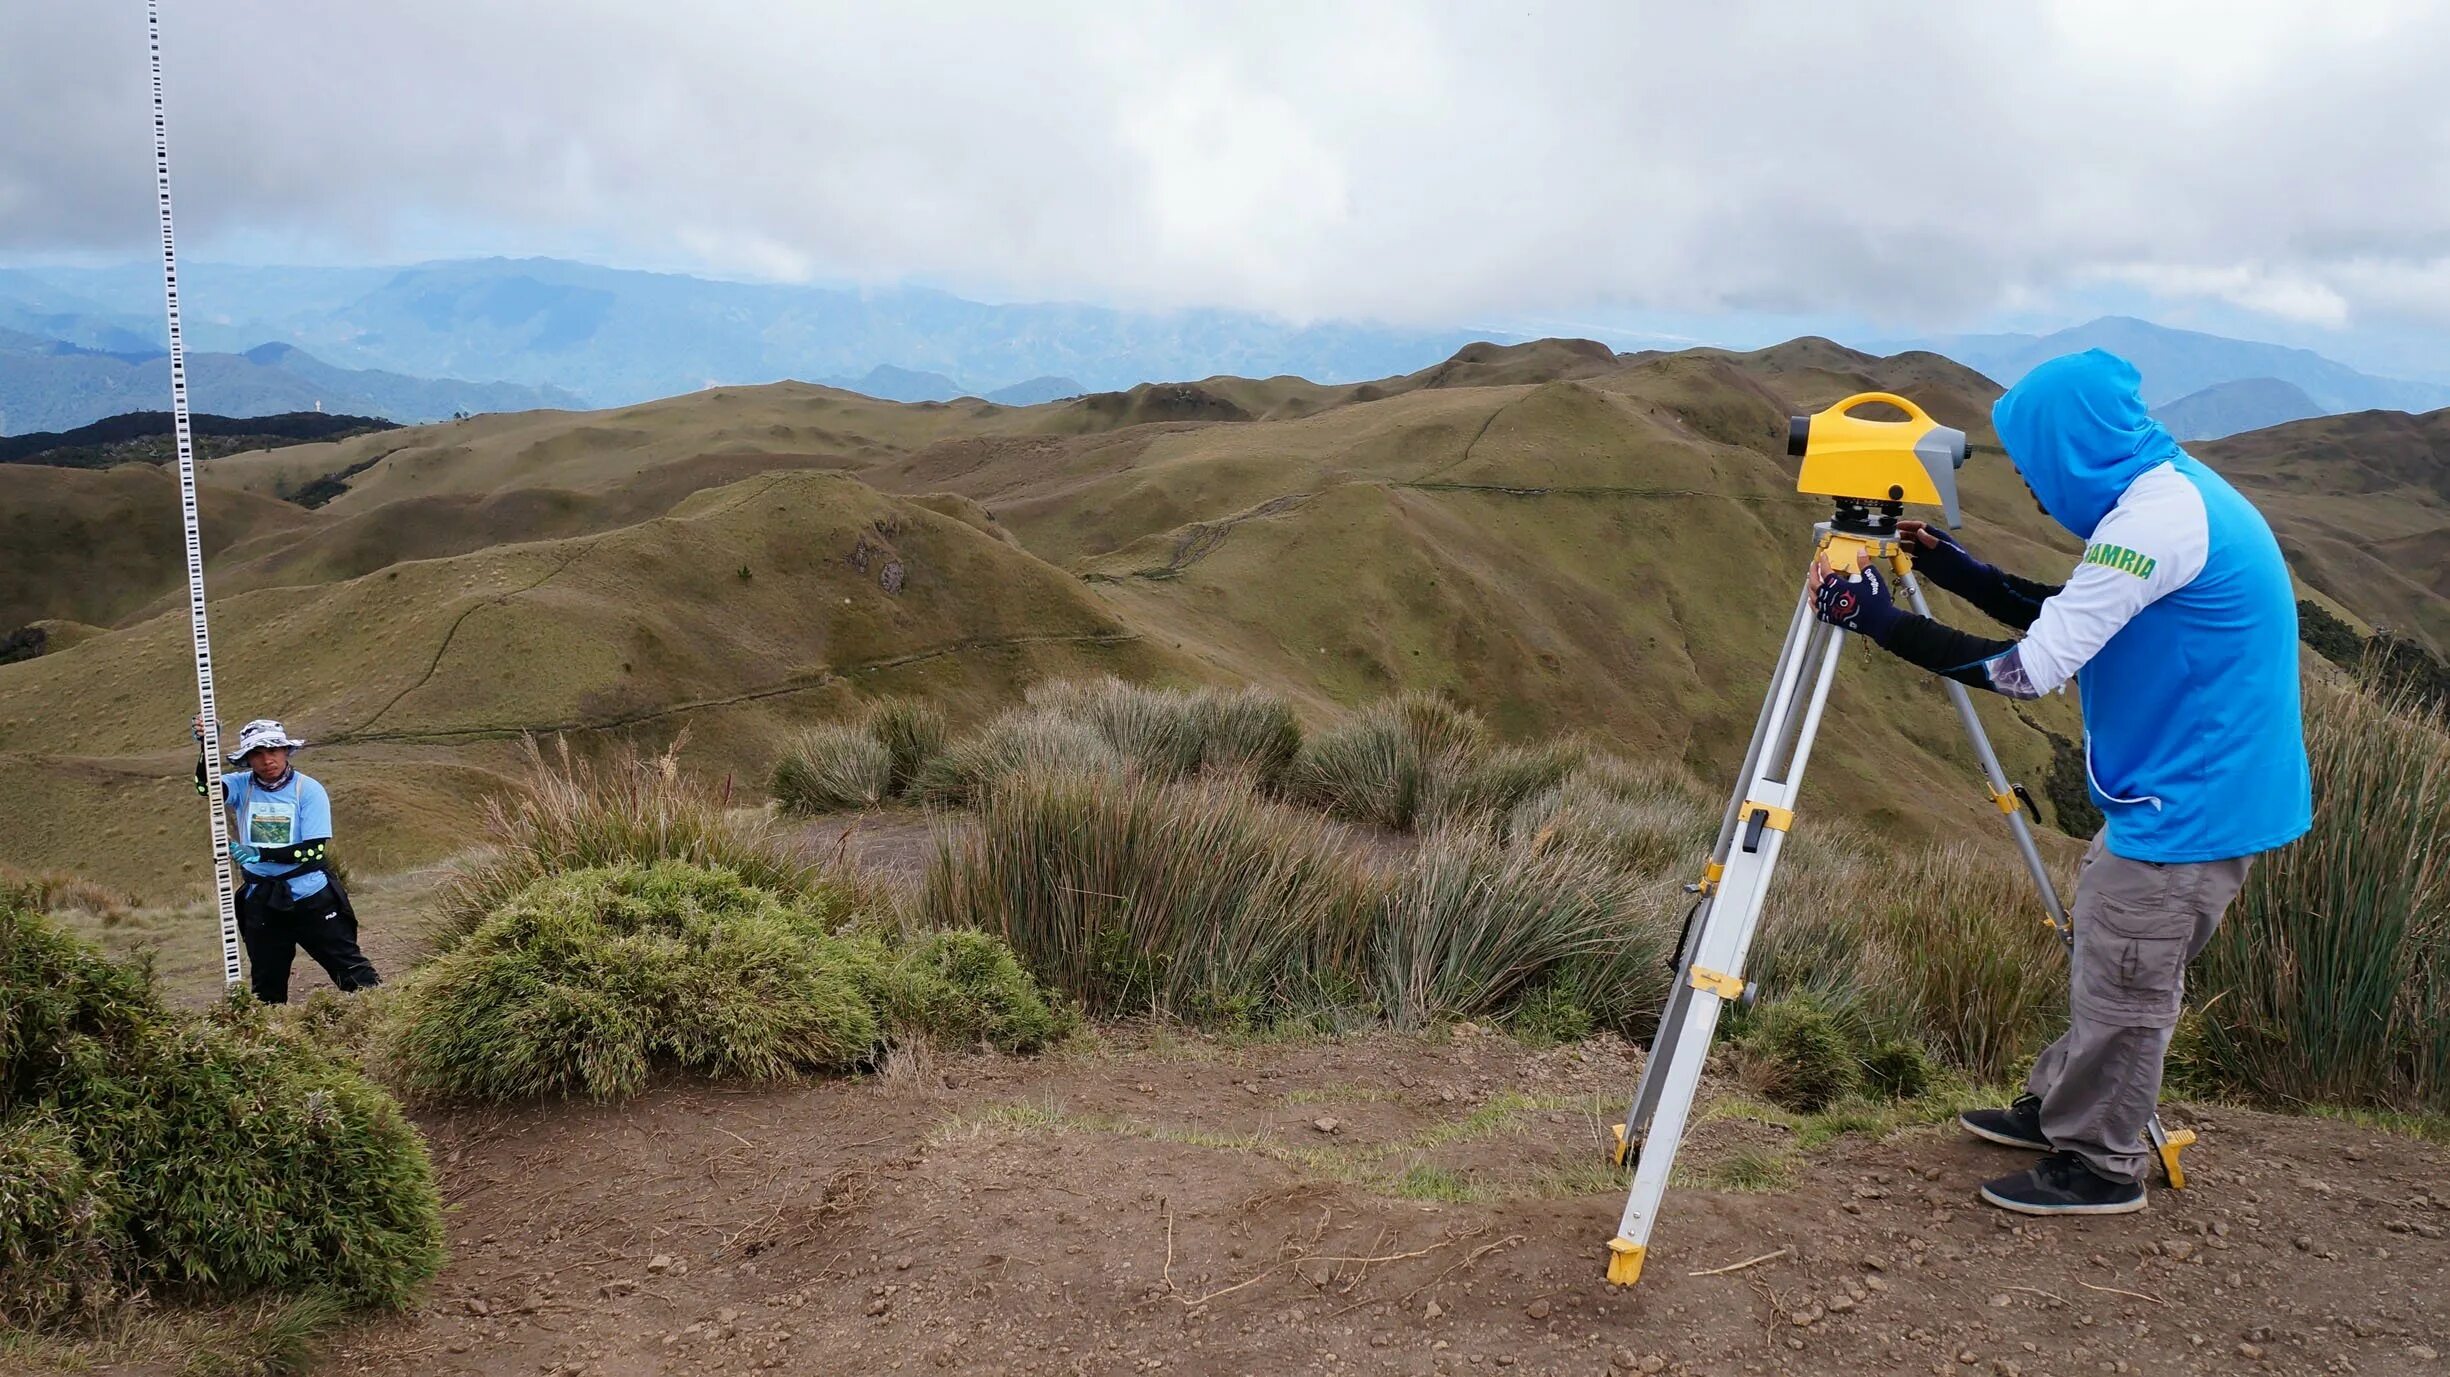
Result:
1874,467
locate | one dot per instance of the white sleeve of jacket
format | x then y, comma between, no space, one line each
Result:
2153,543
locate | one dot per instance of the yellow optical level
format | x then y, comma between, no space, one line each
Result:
1862,462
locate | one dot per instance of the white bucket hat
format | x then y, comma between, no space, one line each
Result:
257,735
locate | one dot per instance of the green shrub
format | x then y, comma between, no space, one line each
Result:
582,983
57,1228
1551,1012
1034,742
964,987
833,769
1471,922
913,732
2330,977
1899,1067
573,814
1799,1053
214,1155
1132,896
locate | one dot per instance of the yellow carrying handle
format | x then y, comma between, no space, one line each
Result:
1861,398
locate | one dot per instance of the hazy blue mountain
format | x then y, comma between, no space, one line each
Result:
2231,408
614,335
1035,390
2176,363
51,384
901,385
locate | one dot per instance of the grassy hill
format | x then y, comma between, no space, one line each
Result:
1559,536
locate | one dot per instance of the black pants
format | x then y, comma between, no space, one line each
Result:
324,923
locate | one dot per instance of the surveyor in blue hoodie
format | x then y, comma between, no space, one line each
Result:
2179,629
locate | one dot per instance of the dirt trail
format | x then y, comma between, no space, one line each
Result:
1383,1204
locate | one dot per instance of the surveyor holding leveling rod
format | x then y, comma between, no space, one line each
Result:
2179,628
281,831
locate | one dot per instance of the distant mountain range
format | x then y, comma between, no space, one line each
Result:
2179,366
52,384
422,342
892,384
613,336
2230,408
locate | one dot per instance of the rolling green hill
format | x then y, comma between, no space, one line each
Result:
1561,537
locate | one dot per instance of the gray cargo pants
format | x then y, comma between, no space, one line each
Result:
2137,926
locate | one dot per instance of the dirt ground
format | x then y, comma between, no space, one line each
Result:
1382,1204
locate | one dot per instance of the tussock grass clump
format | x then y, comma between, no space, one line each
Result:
1383,764
1027,742
633,809
582,983
1473,922
913,732
1132,896
1970,953
1645,820
2330,977
833,769
1491,785
841,767
207,1155
1173,734
1252,732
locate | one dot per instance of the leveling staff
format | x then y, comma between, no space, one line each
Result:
281,837
2180,629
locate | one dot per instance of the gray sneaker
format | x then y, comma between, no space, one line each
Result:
2017,1126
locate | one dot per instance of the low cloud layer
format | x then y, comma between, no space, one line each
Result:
1924,165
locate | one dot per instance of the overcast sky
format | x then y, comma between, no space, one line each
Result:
1917,166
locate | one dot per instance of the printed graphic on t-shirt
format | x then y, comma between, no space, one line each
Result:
269,823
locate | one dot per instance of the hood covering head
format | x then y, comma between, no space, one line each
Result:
2076,428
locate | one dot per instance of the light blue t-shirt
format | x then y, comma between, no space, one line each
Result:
292,815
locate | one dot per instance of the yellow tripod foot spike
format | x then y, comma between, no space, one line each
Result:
1624,1261
2173,1142
1617,1154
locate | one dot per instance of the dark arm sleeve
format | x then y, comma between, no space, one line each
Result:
1944,650
200,789
2003,597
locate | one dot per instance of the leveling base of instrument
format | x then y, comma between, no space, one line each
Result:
1728,899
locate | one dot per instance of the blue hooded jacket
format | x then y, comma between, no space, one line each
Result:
2194,743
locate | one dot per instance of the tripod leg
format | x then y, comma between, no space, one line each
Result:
2166,1143
1996,779
1718,946
1630,1133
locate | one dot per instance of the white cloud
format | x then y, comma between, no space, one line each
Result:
2287,296
1908,163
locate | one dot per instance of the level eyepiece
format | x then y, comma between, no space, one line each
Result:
1798,436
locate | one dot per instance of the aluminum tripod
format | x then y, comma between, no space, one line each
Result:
1751,833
